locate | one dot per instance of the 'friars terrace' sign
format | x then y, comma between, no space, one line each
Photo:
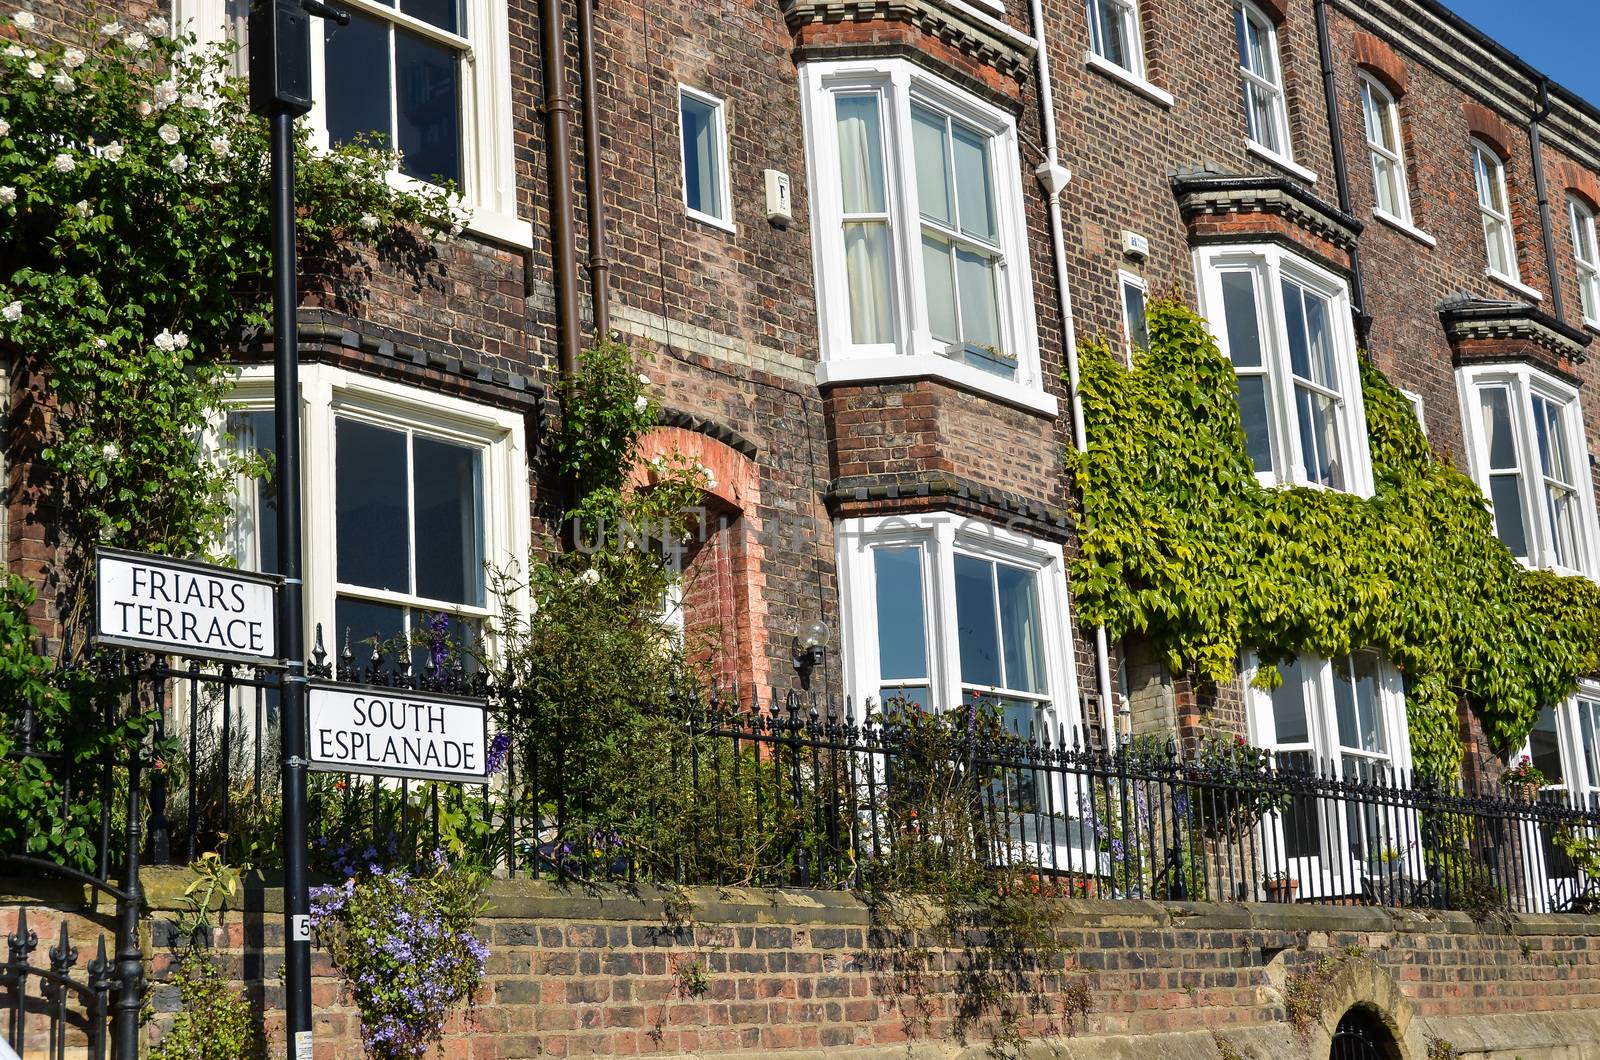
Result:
393,732
170,605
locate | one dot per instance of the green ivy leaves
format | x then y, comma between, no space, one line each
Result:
1180,543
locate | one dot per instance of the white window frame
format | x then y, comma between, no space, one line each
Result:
723,175
1376,97
488,158
914,353
328,393
1496,218
1579,787
1580,220
1271,263
1524,382
1125,280
1126,12
1270,83
1328,873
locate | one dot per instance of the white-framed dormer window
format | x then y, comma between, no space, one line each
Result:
1285,324
1114,34
1135,322
1340,719
703,127
1381,118
419,496
429,78
1527,451
1489,176
919,239
1261,79
1587,255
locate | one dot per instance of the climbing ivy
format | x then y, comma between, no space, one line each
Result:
1181,544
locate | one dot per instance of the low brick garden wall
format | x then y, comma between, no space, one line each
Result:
579,973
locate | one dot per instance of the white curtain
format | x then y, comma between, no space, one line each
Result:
866,240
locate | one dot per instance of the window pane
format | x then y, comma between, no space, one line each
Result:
1563,505
980,317
1294,320
929,147
1372,116
1496,239
1553,458
1310,343
976,623
1260,109
866,258
702,178
356,94
1239,313
906,696
1020,634
1588,721
902,633
429,108
1505,494
256,540
373,526
1289,704
1302,821
1320,447
1134,315
974,195
1252,46
363,621
446,14
1385,185
448,480
1544,747
938,279
1253,412
1357,704
1114,43
860,154
1494,406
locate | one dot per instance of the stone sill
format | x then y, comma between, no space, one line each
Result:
544,900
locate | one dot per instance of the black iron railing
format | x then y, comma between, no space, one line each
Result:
51,1009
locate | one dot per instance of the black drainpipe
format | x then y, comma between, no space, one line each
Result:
1536,144
1341,172
558,125
599,263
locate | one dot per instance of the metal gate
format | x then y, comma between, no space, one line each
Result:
1359,1037
46,1008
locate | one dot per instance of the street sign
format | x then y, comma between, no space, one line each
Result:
391,732
177,607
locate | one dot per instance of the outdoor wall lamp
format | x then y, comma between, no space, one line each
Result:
808,649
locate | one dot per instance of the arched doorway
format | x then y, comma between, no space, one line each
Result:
1361,1035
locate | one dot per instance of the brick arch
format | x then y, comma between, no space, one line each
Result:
1581,183
1489,127
1361,984
727,559
1380,60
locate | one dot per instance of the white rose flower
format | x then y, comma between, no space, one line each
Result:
220,146
169,134
112,152
156,25
109,451
72,58
35,69
64,84
193,99
136,41
13,51
368,222
644,379
641,403
145,109
179,163
5,127
166,94
111,29
165,342
8,195
99,344
711,480
589,577
82,208
24,20
12,313
63,163
180,341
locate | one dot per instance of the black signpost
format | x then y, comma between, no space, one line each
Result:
280,89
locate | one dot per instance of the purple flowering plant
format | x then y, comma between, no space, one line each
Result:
404,944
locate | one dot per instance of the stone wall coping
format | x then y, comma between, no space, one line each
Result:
546,900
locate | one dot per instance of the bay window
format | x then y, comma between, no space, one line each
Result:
1285,325
1564,745
412,500
919,244
1527,451
1587,256
430,79
1261,79
1340,719
1381,116
1489,175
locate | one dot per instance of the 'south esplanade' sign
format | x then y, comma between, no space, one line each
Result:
183,608
390,732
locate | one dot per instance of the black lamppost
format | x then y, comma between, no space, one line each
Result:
280,89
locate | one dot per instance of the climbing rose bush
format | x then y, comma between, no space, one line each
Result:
134,250
404,945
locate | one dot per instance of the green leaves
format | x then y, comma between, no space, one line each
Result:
1181,544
